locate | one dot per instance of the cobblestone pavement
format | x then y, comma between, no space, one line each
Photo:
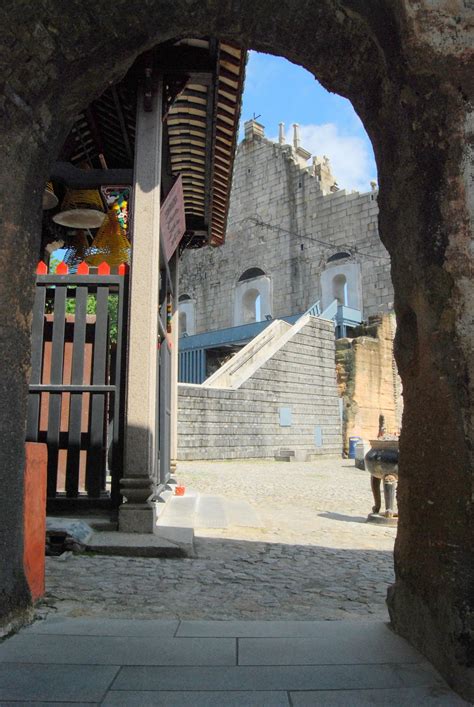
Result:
314,558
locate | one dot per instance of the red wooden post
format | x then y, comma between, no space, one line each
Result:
41,268
83,268
62,269
34,516
103,269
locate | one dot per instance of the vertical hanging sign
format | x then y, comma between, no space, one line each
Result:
172,219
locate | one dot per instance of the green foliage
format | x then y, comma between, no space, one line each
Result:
112,307
90,307
113,317
53,264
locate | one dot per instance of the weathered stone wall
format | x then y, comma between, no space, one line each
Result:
271,186
407,68
245,423
368,381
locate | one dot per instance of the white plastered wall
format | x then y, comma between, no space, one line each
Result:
260,284
351,271
188,308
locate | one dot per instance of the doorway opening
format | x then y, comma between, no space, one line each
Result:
409,108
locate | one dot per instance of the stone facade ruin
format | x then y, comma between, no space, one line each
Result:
407,67
368,381
310,241
306,241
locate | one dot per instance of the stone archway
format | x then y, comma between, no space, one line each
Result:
407,68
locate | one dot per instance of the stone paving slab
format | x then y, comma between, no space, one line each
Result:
288,678
71,661
239,698
400,697
29,683
104,627
22,703
376,635
323,651
113,650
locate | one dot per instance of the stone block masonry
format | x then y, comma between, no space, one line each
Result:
289,403
284,220
368,381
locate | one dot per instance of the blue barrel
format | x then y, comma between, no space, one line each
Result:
352,446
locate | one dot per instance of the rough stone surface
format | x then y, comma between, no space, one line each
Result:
245,423
314,557
299,227
368,381
407,68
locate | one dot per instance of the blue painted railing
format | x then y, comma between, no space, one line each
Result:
191,365
192,349
331,311
315,309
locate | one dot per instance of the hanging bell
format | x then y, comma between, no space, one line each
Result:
50,200
81,208
110,244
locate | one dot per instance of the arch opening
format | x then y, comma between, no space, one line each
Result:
251,306
374,80
339,289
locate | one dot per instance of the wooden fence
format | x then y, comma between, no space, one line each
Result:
76,393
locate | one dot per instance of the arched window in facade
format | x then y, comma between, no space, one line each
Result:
183,329
250,274
252,301
339,289
187,315
342,255
341,281
251,306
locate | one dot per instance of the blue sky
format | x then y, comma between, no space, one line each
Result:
279,91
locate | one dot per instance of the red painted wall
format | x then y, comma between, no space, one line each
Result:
34,520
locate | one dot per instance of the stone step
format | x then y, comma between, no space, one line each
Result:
211,512
203,511
166,542
179,511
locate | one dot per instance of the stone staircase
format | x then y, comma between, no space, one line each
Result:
255,354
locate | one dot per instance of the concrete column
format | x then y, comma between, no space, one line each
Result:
174,266
137,515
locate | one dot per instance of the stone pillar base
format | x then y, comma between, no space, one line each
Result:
138,515
134,518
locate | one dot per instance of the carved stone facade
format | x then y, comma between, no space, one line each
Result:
368,382
407,68
309,241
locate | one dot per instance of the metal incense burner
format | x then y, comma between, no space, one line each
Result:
382,462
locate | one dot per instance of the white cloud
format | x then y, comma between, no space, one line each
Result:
351,162
261,70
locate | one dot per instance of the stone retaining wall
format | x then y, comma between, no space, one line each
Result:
245,423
